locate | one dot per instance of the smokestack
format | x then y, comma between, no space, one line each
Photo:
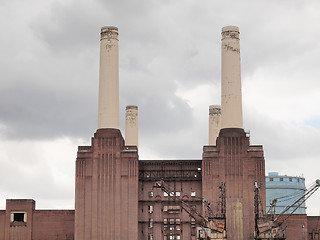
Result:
131,138
231,97
108,110
214,123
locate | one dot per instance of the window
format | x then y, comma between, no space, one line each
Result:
165,194
193,194
178,237
290,179
281,179
171,194
165,221
150,237
173,209
193,231
19,217
150,222
178,194
150,194
271,179
150,209
178,222
178,227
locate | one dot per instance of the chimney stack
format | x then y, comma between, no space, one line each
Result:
214,123
231,97
108,110
131,138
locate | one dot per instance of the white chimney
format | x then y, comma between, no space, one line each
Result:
214,123
231,97
108,110
131,138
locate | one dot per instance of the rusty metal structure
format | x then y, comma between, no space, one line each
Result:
270,226
211,226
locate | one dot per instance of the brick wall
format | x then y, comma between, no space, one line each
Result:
53,224
313,227
237,164
35,224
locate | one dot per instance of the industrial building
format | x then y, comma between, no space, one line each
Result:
119,196
286,189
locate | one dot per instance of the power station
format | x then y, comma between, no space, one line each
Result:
119,196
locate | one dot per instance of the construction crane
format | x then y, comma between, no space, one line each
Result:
209,227
270,226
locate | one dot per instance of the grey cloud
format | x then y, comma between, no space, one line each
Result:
49,71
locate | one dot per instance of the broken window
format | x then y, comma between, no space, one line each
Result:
18,217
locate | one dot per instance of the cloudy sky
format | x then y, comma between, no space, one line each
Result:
169,67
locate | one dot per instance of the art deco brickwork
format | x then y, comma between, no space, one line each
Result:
106,188
237,164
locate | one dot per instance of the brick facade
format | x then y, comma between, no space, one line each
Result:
35,224
116,198
237,164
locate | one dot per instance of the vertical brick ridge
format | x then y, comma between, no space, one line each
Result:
106,188
239,165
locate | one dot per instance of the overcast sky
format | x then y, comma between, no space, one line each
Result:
169,67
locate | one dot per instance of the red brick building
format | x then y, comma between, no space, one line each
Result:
116,196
